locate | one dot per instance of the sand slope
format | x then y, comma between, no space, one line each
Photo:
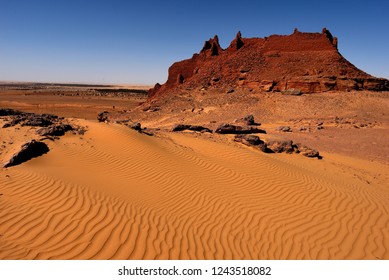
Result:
118,194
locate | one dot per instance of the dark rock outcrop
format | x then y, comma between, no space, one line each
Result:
103,116
277,146
9,112
28,151
28,119
40,120
237,43
248,139
212,47
289,147
51,125
136,126
16,120
306,151
199,128
252,140
180,127
236,129
292,64
281,146
55,130
249,120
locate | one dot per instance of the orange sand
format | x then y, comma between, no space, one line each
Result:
117,194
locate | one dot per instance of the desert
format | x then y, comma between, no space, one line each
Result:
273,148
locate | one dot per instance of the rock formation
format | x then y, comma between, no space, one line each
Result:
199,128
28,151
51,125
103,116
301,62
55,130
227,128
276,146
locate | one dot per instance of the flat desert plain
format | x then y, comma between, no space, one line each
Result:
116,193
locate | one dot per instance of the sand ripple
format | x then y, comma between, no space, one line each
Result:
118,194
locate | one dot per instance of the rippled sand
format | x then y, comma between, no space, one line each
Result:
117,194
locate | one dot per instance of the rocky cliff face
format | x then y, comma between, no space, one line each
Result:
305,62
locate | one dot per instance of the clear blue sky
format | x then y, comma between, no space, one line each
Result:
117,41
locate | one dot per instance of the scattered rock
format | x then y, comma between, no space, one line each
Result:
236,129
289,147
51,125
306,151
252,140
13,122
54,130
182,127
103,116
123,121
29,119
136,126
9,112
147,132
40,120
28,151
249,120
304,128
199,128
281,146
351,123
81,130
284,129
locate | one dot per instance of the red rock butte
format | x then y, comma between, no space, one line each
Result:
307,62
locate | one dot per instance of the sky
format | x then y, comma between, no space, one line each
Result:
135,42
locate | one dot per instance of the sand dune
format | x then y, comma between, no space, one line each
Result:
132,196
